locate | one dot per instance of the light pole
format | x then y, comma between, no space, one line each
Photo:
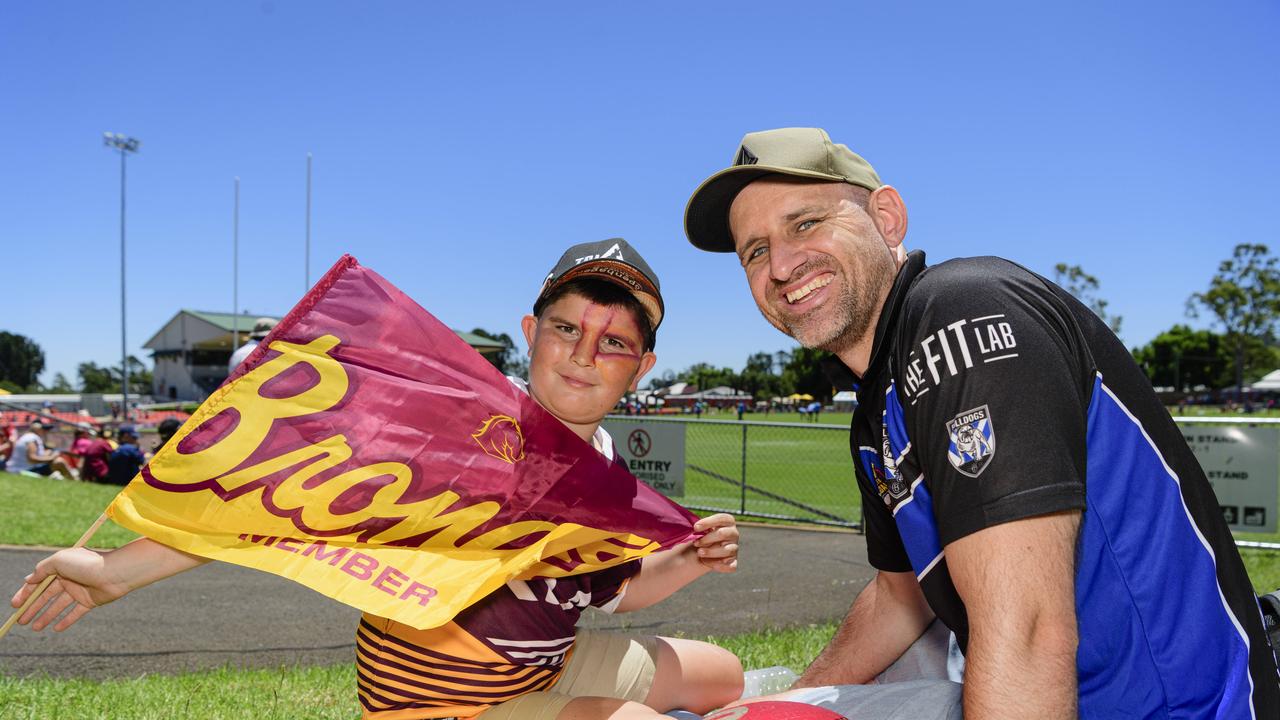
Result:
125,145
235,272
306,263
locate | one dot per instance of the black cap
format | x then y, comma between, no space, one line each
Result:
612,260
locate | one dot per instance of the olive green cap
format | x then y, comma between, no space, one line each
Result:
798,152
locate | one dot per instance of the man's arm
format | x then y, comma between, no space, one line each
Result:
663,573
87,579
1017,581
888,615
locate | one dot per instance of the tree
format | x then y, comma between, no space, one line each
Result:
1084,287
1182,358
61,385
804,373
509,361
21,360
97,379
1244,298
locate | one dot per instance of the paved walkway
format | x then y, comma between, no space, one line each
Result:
220,614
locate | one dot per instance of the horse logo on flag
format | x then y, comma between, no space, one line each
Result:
973,441
500,437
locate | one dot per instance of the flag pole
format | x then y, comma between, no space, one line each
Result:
47,581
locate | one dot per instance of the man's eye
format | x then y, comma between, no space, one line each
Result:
805,225
757,252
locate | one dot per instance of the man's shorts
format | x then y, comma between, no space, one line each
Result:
602,665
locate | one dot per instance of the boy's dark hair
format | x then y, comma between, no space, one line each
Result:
602,292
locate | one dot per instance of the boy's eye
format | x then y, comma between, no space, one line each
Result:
615,343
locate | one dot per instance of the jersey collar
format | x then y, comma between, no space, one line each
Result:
892,305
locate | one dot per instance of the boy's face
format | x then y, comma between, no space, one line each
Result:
583,357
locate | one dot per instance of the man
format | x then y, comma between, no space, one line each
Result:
261,328
1020,480
127,459
30,456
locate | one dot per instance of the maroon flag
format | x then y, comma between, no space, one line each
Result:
366,451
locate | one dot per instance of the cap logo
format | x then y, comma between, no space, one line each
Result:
613,252
745,157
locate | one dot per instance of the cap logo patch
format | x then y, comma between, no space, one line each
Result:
745,157
614,252
973,441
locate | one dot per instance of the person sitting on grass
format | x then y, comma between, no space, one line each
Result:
31,457
126,459
94,454
516,654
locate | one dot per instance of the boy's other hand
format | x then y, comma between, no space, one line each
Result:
718,548
82,582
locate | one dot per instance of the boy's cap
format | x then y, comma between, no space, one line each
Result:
615,261
798,152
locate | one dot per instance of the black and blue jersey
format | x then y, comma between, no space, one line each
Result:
993,395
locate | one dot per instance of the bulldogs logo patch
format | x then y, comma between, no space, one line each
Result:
973,441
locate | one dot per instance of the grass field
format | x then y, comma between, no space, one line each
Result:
287,693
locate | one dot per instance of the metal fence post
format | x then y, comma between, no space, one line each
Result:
743,500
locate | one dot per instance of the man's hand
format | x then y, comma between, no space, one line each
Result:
718,548
83,581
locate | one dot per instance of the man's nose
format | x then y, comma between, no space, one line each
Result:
784,258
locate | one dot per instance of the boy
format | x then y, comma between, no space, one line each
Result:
516,654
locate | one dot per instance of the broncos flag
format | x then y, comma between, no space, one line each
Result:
367,452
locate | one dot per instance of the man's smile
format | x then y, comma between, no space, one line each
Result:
800,294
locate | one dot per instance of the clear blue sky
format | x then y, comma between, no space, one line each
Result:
460,148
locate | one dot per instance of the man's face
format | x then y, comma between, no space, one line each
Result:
817,266
583,358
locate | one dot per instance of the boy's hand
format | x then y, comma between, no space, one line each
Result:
718,548
82,582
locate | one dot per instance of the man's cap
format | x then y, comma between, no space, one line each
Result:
612,260
127,430
797,152
37,425
262,327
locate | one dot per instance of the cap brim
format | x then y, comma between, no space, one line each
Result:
646,294
706,217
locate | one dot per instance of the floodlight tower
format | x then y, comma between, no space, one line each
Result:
125,145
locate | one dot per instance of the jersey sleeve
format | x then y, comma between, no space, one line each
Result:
994,384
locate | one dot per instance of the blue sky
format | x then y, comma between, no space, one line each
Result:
459,148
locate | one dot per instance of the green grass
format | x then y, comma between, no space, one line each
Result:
318,693
40,511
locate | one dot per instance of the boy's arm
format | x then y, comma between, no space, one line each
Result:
663,573
87,579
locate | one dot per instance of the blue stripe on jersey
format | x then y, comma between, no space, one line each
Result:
1156,637
914,515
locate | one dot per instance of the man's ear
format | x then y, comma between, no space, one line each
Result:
529,324
647,361
889,213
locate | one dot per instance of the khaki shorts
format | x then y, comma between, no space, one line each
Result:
601,665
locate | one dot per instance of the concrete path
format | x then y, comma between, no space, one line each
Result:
223,614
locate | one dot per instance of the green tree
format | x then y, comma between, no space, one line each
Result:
1084,287
1244,299
1182,358
98,379
61,385
509,361
804,374
21,360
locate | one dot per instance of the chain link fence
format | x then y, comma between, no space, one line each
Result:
784,471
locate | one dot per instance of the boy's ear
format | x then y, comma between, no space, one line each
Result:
529,324
647,361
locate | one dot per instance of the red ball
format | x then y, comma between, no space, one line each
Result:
775,710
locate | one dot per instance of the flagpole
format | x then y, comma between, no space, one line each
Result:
47,581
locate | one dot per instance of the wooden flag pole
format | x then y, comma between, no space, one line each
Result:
44,584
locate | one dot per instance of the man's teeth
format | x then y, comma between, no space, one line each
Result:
796,296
